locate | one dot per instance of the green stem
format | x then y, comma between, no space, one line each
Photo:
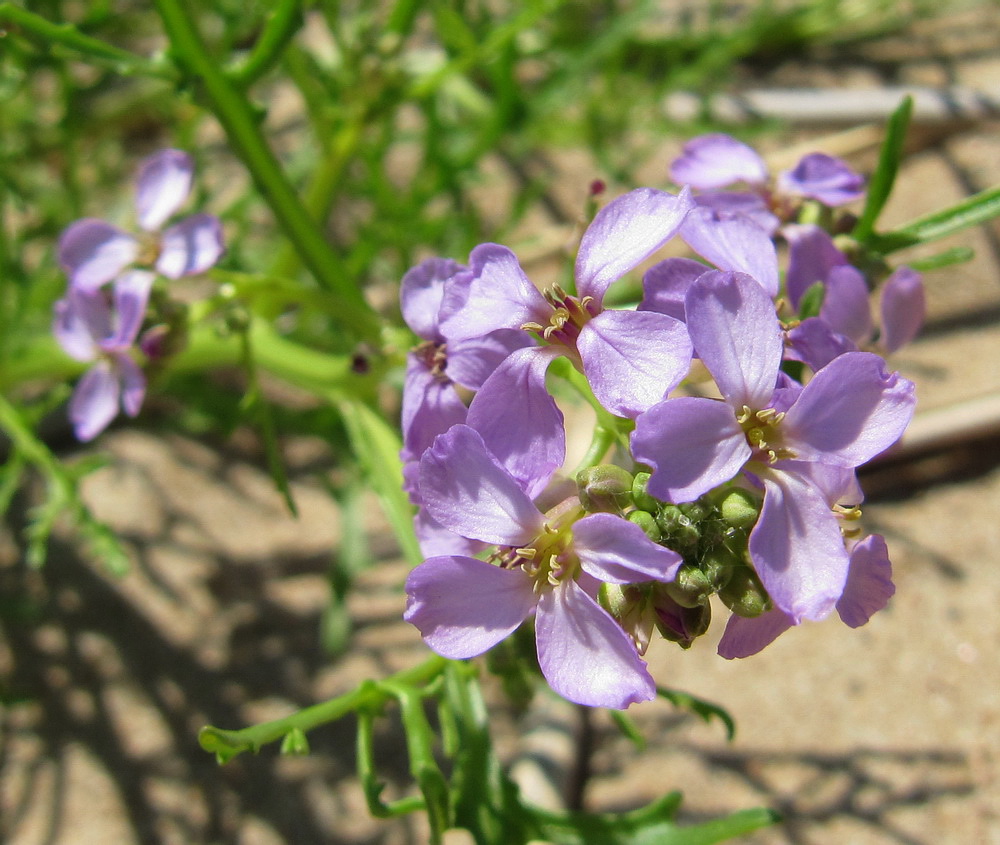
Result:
239,121
282,24
227,744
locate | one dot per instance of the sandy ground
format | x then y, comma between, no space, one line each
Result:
883,735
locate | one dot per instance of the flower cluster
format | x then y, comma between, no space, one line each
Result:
111,274
742,488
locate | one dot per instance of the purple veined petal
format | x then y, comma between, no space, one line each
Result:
838,485
133,384
692,445
466,489
744,203
903,308
421,293
131,293
852,410
816,344
430,407
811,256
737,335
498,296
717,160
162,184
584,654
472,361
626,232
617,551
846,305
869,582
519,421
463,606
436,540
733,242
665,285
824,178
71,330
745,637
95,401
191,246
633,359
796,547
93,252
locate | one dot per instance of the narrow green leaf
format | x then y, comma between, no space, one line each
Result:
979,208
705,709
884,176
629,728
812,300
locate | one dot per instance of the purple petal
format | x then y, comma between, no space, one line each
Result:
816,344
624,233
133,384
519,420
131,292
466,489
717,160
585,655
498,296
421,293
463,606
472,361
95,401
811,256
436,540
850,411
632,359
903,308
162,184
617,551
846,305
796,547
666,284
744,637
749,205
191,246
93,252
869,582
736,333
733,242
430,407
824,178
71,329
692,446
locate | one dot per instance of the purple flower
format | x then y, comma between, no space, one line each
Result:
784,438
631,359
101,328
548,563
93,252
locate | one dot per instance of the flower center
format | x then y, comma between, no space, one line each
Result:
761,429
435,358
569,315
548,558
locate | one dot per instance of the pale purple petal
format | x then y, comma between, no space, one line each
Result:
665,285
717,160
463,606
93,252
191,246
624,233
750,205
421,293
733,242
131,293
903,308
852,410
133,384
796,547
585,655
498,296
838,485
816,344
436,540
617,551
162,184
811,256
632,359
95,401
430,407
824,178
71,329
519,421
869,582
691,444
472,361
466,489
737,335
846,305
744,637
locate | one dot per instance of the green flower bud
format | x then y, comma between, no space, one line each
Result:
642,499
738,507
678,527
681,625
744,595
696,511
690,588
718,565
647,522
604,488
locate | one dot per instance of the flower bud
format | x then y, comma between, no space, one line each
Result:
678,527
630,605
647,522
606,488
642,499
718,564
690,588
744,595
738,506
681,625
